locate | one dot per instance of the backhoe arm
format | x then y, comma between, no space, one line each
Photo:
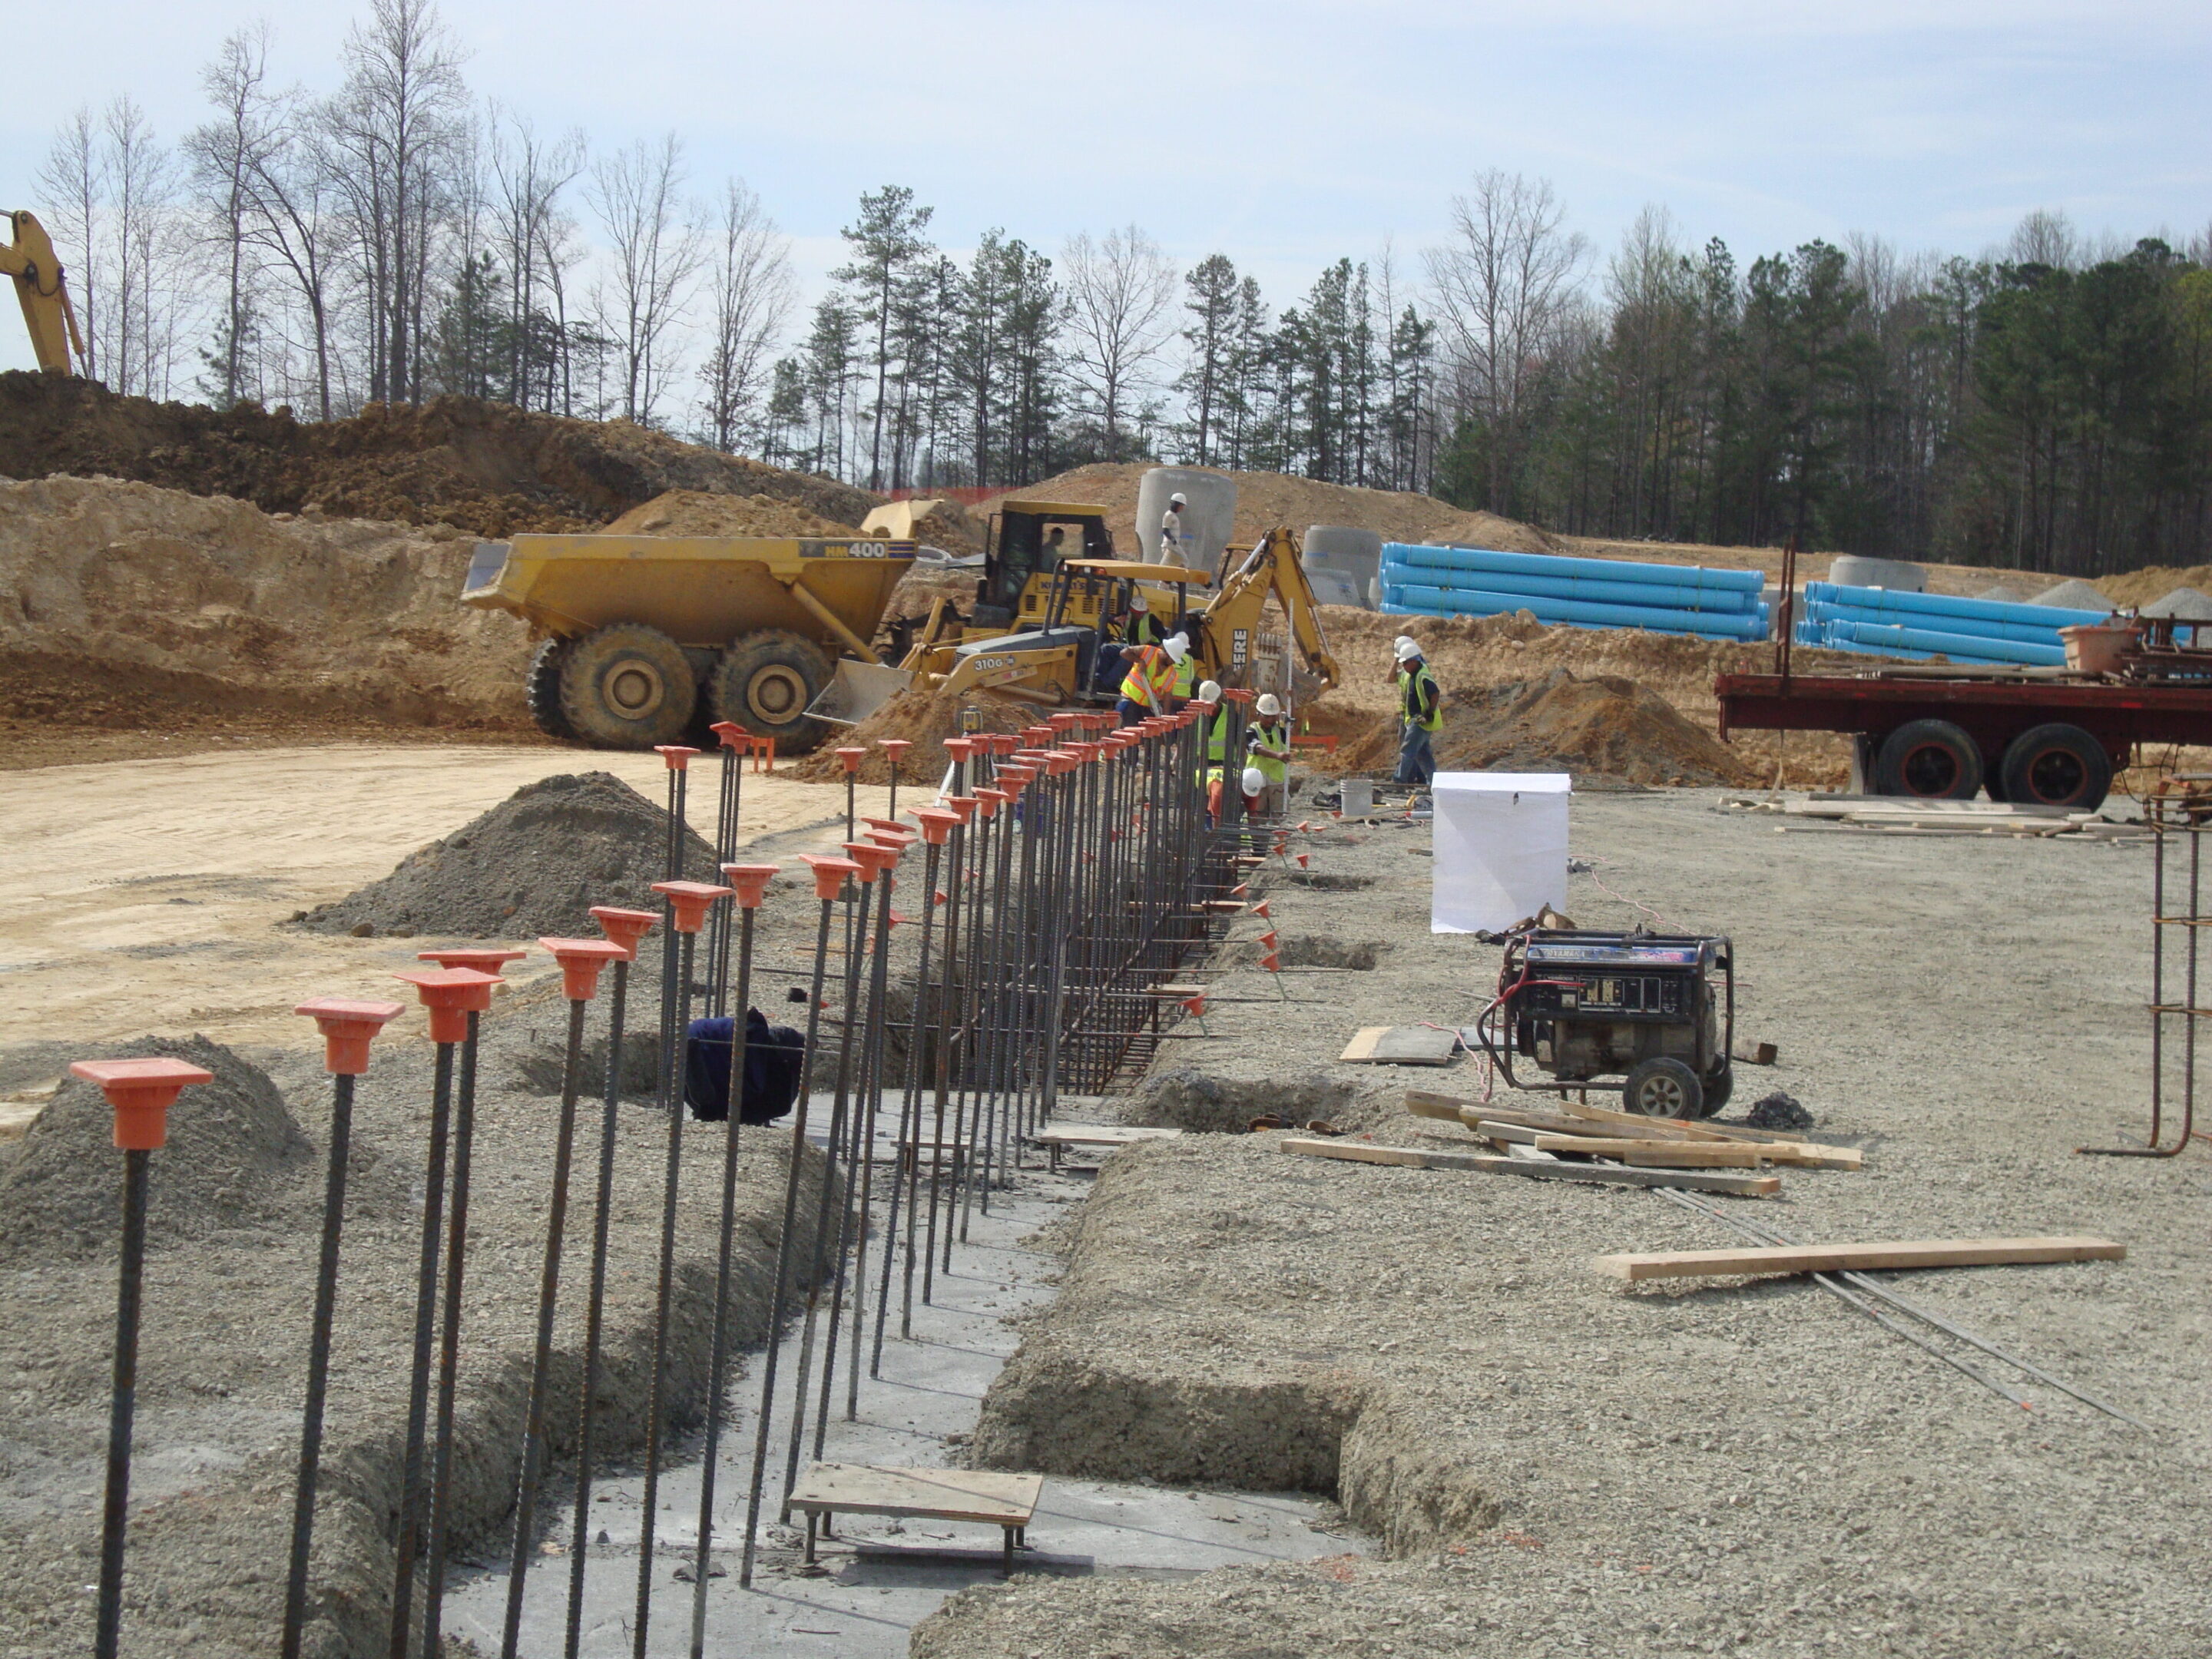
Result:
30,259
1273,566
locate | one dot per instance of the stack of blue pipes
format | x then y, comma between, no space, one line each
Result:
1878,623
1663,599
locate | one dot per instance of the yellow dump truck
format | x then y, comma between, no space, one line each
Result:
642,639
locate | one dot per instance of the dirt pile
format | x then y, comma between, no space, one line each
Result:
1600,728
534,865
1267,498
484,466
700,512
924,718
120,601
233,1155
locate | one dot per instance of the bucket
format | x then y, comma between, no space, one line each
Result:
1355,799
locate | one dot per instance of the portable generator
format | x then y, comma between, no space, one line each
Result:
1655,1010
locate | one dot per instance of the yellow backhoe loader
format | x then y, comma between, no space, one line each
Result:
28,256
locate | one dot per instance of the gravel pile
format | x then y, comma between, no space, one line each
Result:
534,865
1779,1111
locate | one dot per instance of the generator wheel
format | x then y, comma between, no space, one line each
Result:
764,682
1717,1088
541,688
2057,765
626,686
1929,760
1664,1087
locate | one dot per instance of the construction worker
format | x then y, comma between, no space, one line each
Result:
1139,625
1186,679
1171,531
1421,713
1268,747
1149,685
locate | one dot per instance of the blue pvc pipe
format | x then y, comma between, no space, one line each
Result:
1962,646
1478,603
1964,626
1559,564
1729,602
1904,607
1706,627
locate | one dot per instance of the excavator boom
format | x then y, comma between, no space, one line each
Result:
1232,620
30,259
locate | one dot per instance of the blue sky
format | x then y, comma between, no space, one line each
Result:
1288,133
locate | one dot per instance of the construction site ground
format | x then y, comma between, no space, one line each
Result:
1557,1463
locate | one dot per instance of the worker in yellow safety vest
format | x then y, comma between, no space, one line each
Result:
1269,746
1149,686
1421,715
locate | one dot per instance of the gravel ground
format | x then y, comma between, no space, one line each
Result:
1559,1463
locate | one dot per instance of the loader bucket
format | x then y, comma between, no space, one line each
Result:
859,690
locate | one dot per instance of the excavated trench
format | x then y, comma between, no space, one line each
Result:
1187,1098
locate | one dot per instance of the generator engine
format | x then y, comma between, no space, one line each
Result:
1656,1011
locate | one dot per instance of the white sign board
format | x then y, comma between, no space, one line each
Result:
1501,848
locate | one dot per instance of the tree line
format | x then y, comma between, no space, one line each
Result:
394,237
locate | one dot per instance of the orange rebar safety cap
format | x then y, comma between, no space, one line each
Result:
450,994
140,1092
750,882
348,1028
829,874
625,927
580,961
689,902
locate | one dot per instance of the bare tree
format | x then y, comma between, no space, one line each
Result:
752,290
224,156
73,180
142,178
1119,291
1503,284
2045,237
634,193
528,174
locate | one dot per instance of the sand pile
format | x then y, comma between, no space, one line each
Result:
534,865
1602,728
700,512
121,602
924,718
484,466
234,1154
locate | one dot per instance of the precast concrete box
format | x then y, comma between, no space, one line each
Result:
1208,519
1501,848
1342,563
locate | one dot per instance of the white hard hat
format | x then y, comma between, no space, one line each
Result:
1178,499
1255,779
1401,641
1407,650
1177,645
1138,602
1210,692
1270,703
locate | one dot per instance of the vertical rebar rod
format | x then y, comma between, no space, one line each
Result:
412,1493
910,1113
318,1366
872,1092
115,1510
449,1341
947,976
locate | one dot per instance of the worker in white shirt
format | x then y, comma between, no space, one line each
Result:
1171,539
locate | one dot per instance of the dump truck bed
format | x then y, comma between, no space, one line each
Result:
702,591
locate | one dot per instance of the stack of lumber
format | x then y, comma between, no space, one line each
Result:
1896,814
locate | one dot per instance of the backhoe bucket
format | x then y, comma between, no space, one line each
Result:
859,690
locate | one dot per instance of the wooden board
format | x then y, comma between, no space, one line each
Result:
1400,1045
1000,1500
1656,1154
1858,1258
1604,1175
1630,1126
1100,1135
1533,1130
1755,1053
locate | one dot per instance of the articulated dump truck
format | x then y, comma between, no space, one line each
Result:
642,639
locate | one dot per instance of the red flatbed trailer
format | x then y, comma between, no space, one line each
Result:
2042,736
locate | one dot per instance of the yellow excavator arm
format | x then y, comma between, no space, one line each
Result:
30,259
1272,566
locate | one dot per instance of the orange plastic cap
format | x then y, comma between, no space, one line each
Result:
960,748
730,734
1304,859
484,962
750,882
580,961
993,799
937,825
140,1092
829,874
624,927
1239,694
674,755
1271,962
1261,909
850,758
965,805
873,858
450,994
347,1029
895,747
1268,939
689,902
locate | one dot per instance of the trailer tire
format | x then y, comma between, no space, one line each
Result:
764,683
541,688
626,686
2056,765
1717,1089
1664,1087
1928,760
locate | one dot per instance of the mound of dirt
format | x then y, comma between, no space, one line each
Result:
534,865
234,1152
484,466
1600,728
924,718
119,602
700,512
1265,500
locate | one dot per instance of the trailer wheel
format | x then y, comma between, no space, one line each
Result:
541,688
764,682
626,686
2057,765
1716,1089
1664,1088
1928,760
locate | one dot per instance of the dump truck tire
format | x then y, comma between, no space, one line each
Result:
626,686
541,688
764,682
